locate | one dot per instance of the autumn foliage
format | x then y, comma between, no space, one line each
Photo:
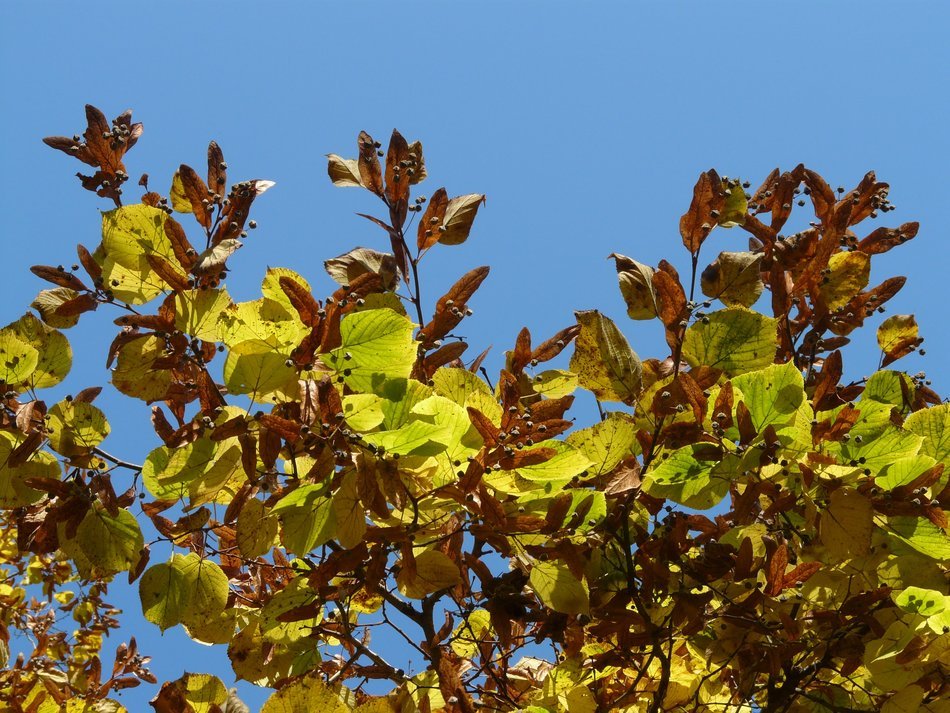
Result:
743,529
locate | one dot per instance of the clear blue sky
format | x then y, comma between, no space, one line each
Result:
586,124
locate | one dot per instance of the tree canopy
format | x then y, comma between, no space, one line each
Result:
744,528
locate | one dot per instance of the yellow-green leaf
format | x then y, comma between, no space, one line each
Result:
306,518
55,357
606,443
933,424
848,275
14,492
555,383
434,571
256,529
603,361
259,370
47,302
135,373
185,590
773,394
18,359
734,278
197,313
200,692
177,197
349,513
846,524
696,476
305,694
75,428
377,346
298,593
734,339
559,589
104,545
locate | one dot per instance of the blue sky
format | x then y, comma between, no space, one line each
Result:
585,124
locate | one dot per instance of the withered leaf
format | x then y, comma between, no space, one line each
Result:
708,202
196,191
345,268
636,286
734,278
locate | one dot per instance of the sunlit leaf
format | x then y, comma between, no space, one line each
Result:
734,278
135,373
75,428
306,519
197,313
14,492
848,274
636,286
305,694
256,529
377,345
606,443
18,358
258,369
185,590
559,589
434,571
734,339
603,361
54,355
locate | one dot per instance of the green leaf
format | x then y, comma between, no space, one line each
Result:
434,571
883,448
256,529
205,470
773,395
916,600
305,694
567,462
559,589
922,535
363,412
75,428
14,492
55,356
734,278
848,275
897,336
104,545
884,386
904,471
260,370
18,359
185,590
306,518
933,424
603,361
197,313
735,340
695,476
414,438
606,443
377,346
135,373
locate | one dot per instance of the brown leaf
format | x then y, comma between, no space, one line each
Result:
488,430
883,239
285,428
775,575
398,164
428,233
77,305
826,396
301,299
58,276
457,220
196,191
93,268
165,270
698,221
217,169
370,172
450,308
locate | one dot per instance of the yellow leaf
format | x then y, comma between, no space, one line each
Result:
603,360
846,524
305,694
849,274
434,571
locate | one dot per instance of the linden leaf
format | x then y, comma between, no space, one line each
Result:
306,519
75,428
559,589
735,205
848,274
14,492
177,197
305,694
18,359
917,600
696,476
773,395
846,524
458,218
898,336
922,535
272,290
197,313
470,632
256,529
636,286
467,389
734,339
434,571
734,278
135,373
344,171
606,443
933,424
55,356
360,261
185,590
349,513
50,303
260,370
192,693
555,383
603,360
376,346
297,594
104,545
